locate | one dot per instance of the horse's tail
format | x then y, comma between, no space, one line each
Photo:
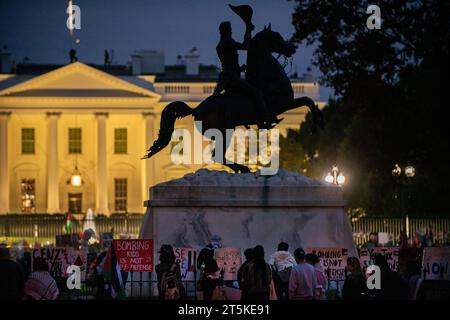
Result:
173,111
316,113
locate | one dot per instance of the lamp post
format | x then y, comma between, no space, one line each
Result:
335,177
409,172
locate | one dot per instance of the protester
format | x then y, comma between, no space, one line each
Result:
169,275
11,276
257,277
393,286
314,260
282,262
303,281
248,257
207,253
355,286
373,241
414,279
211,281
40,284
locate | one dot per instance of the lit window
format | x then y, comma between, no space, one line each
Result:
28,195
208,89
28,140
74,140
120,140
120,193
75,202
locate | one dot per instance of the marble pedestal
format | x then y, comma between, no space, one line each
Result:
247,210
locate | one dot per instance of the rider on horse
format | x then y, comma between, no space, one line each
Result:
230,77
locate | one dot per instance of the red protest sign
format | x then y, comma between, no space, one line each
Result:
134,255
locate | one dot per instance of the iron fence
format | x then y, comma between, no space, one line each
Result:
44,227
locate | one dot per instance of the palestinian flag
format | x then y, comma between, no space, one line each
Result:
69,224
113,274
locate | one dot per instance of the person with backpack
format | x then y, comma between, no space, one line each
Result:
282,262
257,277
207,253
169,275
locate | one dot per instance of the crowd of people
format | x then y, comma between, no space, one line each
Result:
284,276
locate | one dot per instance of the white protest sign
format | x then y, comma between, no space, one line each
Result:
435,263
186,258
230,260
333,260
366,256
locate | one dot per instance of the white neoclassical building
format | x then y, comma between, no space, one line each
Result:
77,120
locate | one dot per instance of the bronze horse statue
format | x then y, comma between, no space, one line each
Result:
233,108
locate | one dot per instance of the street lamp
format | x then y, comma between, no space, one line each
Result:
335,177
410,172
75,178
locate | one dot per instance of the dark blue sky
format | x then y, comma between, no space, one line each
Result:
37,28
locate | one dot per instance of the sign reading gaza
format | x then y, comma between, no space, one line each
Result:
134,255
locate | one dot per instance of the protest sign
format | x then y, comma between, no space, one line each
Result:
230,260
134,255
366,256
59,259
186,258
333,260
435,263
106,238
78,258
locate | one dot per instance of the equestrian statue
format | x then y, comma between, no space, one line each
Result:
265,93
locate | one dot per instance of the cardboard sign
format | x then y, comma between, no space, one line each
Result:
366,256
59,259
333,260
134,255
106,239
186,258
435,263
230,260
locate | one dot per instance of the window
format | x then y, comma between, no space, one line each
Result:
120,193
75,202
208,89
74,140
28,140
28,195
176,89
298,89
120,140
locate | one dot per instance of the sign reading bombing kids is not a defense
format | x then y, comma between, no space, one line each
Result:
333,260
134,255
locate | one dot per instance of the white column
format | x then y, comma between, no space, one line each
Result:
149,164
52,163
102,177
4,171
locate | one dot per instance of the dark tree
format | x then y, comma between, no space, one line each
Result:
391,86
